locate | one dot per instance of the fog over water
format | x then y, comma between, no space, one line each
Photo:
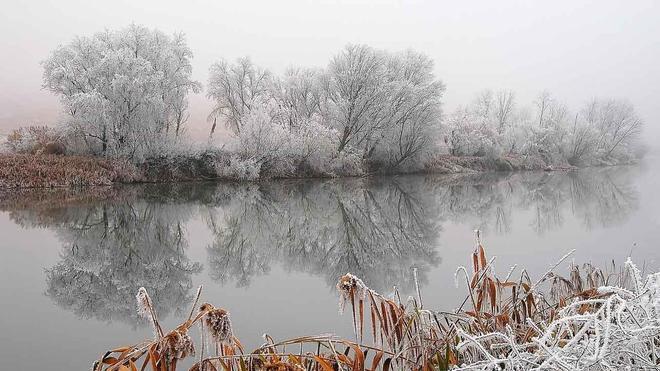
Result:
576,50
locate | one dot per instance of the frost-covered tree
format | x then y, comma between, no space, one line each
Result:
504,110
488,126
357,94
549,111
581,141
481,127
299,96
412,111
617,126
125,91
466,134
603,131
368,107
545,138
383,105
236,89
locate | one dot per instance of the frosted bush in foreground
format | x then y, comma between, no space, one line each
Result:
615,329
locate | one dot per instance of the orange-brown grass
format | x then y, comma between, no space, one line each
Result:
30,171
166,350
399,335
45,199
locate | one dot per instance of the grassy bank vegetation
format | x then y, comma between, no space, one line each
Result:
49,170
124,98
43,171
589,319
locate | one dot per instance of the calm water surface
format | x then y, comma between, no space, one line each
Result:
71,262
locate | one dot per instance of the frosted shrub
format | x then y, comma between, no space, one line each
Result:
239,169
318,156
545,142
318,145
266,142
618,328
33,139
466,136
346,164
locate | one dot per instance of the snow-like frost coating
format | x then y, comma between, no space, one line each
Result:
621,331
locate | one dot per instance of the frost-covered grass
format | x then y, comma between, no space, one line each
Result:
592,319
607,328
40,170
29,171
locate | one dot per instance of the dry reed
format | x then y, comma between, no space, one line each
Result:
507,322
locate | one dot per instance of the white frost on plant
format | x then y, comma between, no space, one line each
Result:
145,309
350,287
617,329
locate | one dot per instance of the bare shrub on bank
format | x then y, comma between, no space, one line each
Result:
35,140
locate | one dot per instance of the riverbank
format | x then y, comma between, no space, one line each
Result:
51,171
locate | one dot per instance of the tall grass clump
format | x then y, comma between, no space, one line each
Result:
47,171
597,319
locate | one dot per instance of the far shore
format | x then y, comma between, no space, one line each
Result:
50,171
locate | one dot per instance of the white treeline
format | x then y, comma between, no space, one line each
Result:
125,94
368,107
125,91
603,131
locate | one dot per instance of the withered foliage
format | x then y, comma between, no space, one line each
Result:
390,333
45,171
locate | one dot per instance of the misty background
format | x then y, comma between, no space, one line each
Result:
576,50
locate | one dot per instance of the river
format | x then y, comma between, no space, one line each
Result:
270,253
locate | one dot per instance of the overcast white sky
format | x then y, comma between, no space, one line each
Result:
575,49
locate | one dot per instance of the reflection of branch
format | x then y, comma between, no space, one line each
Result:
332,228
133,245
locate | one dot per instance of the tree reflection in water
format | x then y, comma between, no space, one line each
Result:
379,229
598,197
115,240
110,248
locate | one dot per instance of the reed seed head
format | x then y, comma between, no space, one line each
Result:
145,309
218,323
144,304
350,287
177,345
